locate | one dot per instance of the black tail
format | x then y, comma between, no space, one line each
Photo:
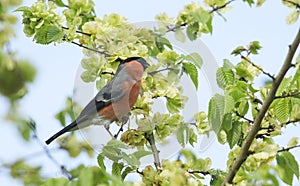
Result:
68,128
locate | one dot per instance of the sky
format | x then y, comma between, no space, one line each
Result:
58,66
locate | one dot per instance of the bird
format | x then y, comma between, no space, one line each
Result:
114,101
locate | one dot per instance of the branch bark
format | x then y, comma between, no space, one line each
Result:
235,166
151,140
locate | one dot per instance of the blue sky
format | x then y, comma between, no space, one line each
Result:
58,64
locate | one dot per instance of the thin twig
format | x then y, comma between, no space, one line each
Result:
216,9
154,72
77,31
91,49
258,67
174,28
151,140
63,169
288,148
235,166
199,172
243,117
293,3
290,121
288,95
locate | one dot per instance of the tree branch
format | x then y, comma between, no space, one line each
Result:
151,140
154,72
259,68
77,31
288,95
235,166
63,169
91,49
289,148
292,3
215,9
243,117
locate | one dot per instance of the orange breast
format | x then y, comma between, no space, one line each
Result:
130,90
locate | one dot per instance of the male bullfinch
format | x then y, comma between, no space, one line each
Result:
114,100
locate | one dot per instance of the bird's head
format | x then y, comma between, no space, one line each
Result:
141,60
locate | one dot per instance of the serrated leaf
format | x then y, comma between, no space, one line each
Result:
225,76
126,172
100,160
216,112
227,122
282,110
116,169
192,72
194,58
48,34
234,135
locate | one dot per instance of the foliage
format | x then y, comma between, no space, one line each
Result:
233,115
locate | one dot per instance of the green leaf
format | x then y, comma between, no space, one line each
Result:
227,64
100,160
287,167
141,153
59,3
116,169
117,144
86,177
126,172
225,76
161,42
192,72
131,160
254,47
194,58
260,3
238,50
292,17
292,142
250,2
216,112
234,135
179,35
282,109
227,122
23,9
243,107
48,34
192,31
291,162
56,182
182,134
